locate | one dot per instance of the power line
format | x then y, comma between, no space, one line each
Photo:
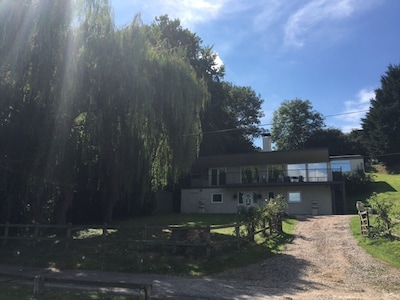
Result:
347,113
270,124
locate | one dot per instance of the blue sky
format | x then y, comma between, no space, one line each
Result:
331,52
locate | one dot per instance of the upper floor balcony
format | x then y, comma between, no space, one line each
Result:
252,176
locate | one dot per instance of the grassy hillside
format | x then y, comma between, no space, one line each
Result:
387,187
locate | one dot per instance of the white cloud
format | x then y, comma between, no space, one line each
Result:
356,109
320,15
189,12
192,11
271,12
218,62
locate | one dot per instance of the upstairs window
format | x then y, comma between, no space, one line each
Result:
318,172
341,165
217,176
250,175
296,172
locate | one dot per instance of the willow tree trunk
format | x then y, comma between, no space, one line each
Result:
65,204
114,192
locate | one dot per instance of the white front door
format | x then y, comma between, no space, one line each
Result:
246,198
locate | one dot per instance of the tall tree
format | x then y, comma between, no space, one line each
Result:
339,143
294,123
231,120
105,117
32,60
381,126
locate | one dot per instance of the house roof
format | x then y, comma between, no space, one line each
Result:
351,156
262,158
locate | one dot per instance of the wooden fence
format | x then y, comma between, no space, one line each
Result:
366,227
180,238
42,281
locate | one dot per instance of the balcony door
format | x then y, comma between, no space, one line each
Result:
217,176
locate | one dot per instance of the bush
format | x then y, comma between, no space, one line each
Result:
255,216
358,182
382,208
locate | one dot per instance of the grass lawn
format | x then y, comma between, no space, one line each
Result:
387,186
381,248
89,251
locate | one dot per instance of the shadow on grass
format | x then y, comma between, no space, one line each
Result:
94,254
382,187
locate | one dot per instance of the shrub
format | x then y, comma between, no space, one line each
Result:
358,182
255,216
382,208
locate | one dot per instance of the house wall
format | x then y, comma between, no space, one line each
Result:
199,200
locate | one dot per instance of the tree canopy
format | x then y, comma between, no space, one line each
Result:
381,126
95,119
230,120
294,122
336,141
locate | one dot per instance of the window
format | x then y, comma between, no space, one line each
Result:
318,172
341,165
216,198
271,196
250,175
276,173
217,176
294,197
296,172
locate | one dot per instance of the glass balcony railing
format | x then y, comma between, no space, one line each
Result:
242,178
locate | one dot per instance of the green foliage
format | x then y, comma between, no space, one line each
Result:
383,210
275,206
255,216
294,123
386,188
104,116
336,141
381,126
230,120
357,182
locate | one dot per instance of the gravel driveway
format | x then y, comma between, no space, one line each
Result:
322,262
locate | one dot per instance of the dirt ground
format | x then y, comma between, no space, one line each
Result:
323,262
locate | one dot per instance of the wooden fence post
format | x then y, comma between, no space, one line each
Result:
208,241
104,231
279,224
36,234
264,223
144,232
6,228
38,285
68,237
145,292
271,226
237,233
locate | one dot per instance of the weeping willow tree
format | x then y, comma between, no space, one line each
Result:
107,116
33,36
142,99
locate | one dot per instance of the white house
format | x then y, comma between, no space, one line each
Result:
310,180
